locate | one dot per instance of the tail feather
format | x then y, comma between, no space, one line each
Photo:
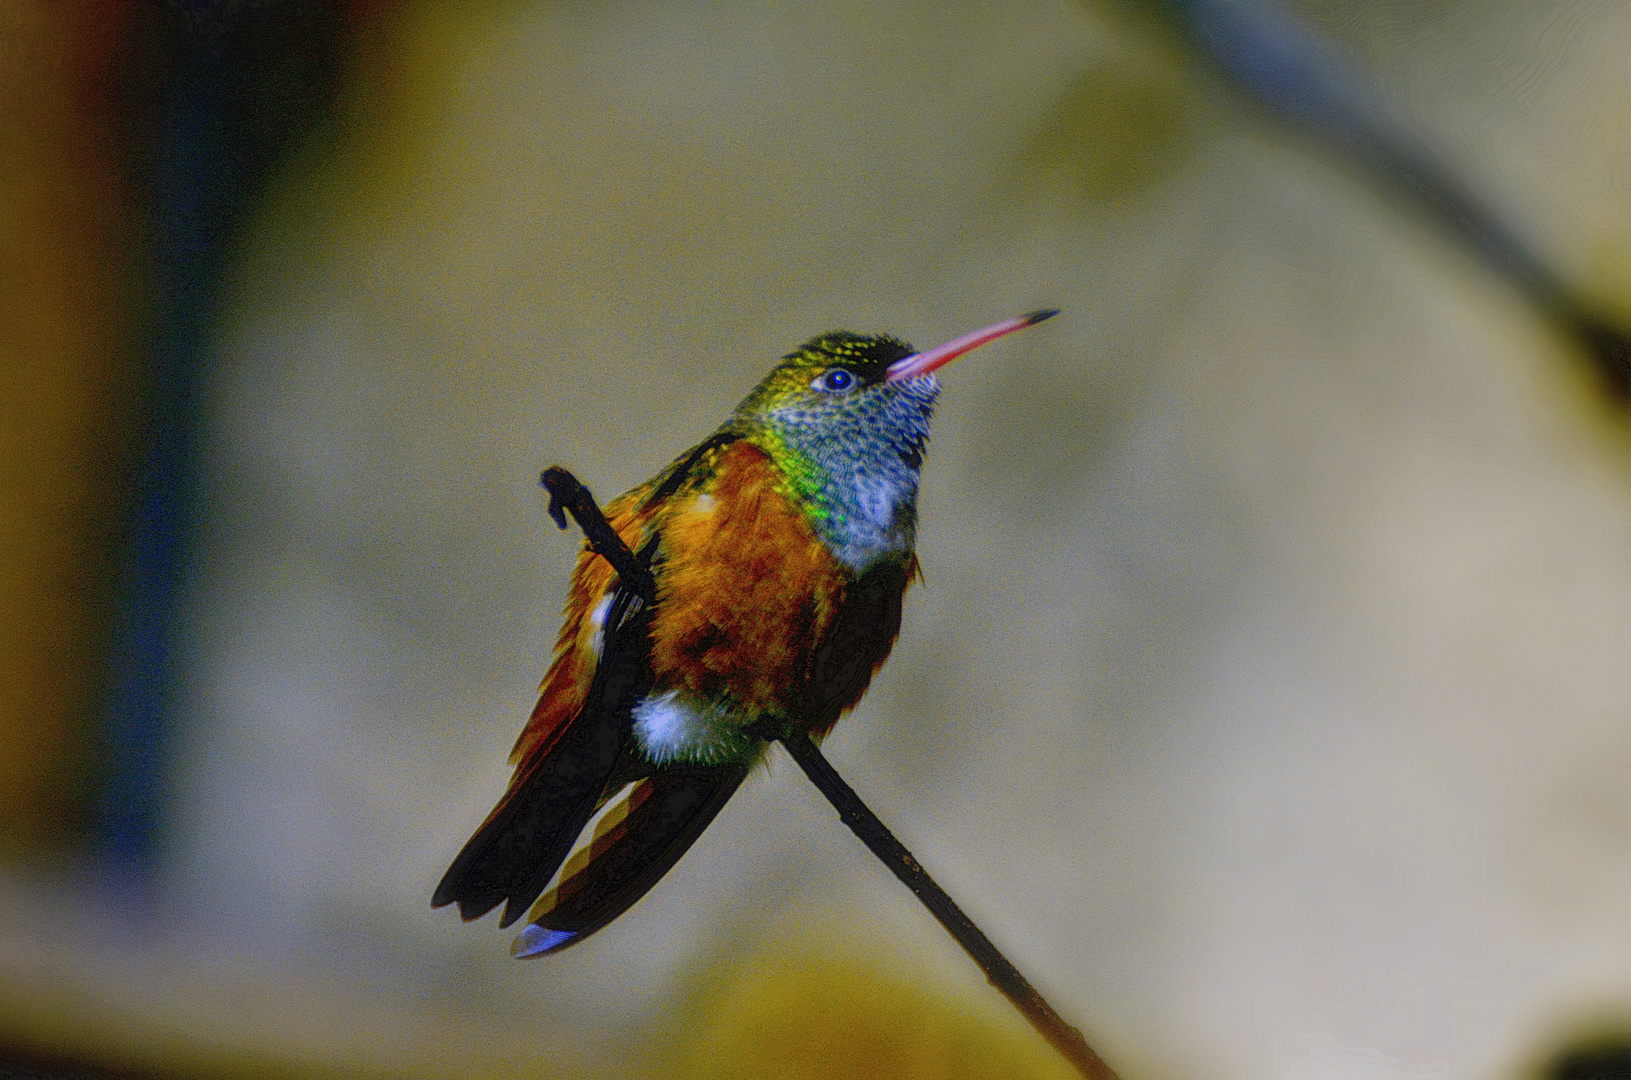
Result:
634,845
555,792
513,855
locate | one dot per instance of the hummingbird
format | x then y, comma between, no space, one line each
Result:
776,552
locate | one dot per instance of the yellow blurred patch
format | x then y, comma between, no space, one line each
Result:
805,1010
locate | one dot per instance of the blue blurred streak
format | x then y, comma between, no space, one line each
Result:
242,85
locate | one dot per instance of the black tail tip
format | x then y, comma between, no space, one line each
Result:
1033,317
470,907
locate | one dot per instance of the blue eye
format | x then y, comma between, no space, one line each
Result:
833,381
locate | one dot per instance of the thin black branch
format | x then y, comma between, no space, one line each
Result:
567,495
893,854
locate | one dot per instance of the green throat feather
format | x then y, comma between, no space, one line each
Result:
848,441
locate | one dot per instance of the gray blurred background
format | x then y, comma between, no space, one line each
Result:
1266,694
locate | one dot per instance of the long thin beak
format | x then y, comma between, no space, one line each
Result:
910,367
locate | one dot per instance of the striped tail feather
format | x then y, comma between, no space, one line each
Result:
643,832
554,793
515,853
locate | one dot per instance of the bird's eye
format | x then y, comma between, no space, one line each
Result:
833,380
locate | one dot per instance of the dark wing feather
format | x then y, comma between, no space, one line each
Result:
521,845
859,640
669,810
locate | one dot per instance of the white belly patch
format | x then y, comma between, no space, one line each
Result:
676,727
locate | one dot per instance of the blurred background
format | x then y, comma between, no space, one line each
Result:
1266,697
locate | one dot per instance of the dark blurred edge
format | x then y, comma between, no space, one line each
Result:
216,94
1605,1062
1303,81
21,1065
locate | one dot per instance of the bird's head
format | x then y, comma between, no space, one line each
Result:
846,418
867,395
